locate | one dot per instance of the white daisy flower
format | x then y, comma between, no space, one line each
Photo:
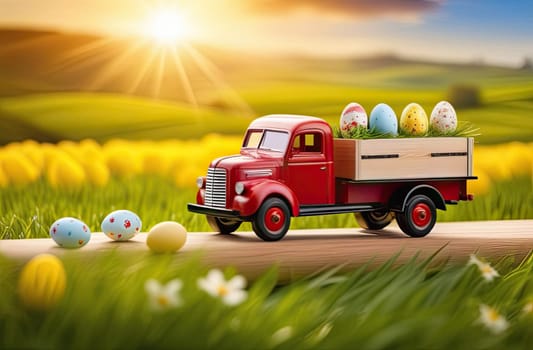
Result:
492,319
162,297
230,292
281,335
487,271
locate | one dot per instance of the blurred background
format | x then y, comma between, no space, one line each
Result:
97,91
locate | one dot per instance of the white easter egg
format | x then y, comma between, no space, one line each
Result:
353,116
443,118
121,225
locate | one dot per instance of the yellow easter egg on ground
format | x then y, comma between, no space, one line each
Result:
414,120
42,282
166,237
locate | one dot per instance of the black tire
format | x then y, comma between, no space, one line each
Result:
374,220
222,225
419,216
272,220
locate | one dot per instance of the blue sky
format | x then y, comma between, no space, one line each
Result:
493,31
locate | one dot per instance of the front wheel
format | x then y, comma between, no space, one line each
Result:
272,220
222,225
374,220
419,216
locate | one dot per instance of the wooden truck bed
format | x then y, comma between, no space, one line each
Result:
403,158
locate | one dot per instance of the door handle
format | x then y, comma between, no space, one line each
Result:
323,168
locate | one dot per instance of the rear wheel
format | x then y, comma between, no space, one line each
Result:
223,225
419,216
272,220
374,220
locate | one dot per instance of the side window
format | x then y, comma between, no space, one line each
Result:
296,144
307,143
313,142
253,138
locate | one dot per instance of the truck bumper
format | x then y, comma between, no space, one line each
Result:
220,213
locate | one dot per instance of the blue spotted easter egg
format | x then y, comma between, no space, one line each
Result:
70,233
383,120
121,225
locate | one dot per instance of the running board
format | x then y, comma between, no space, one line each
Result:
337,209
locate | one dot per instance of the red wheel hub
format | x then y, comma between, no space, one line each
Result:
274,219
421,215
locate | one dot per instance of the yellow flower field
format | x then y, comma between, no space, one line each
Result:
73,164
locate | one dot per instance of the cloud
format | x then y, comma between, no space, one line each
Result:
399,9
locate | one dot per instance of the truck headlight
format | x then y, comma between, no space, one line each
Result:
239,187
200,182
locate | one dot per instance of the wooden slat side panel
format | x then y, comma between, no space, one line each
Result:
414,147
344,158
403,158
412,168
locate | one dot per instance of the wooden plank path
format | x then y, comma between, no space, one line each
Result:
303,252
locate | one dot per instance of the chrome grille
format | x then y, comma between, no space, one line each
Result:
215,188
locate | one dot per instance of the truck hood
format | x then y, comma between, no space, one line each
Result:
248,161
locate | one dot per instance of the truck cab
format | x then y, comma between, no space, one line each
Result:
286,168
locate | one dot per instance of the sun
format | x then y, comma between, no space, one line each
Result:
167,27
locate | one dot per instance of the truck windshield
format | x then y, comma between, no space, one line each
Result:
267,140
275,141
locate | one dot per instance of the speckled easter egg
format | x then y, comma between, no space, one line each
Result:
353,116
166,237
121,225
414,120
383,119
70,233
443,118
42,282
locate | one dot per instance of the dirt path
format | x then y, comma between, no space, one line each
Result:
303,252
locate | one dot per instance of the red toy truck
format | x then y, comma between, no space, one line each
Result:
293,166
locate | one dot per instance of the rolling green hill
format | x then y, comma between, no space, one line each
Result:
55,86
75,116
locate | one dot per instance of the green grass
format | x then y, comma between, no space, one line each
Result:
418,305
28,212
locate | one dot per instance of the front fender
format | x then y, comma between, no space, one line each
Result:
256,192
200,196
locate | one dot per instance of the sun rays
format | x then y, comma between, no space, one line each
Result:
146,65
184,77
159,63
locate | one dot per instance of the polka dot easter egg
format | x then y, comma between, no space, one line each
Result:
414,120
121,225
443,118
70,233
353,116
383,120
